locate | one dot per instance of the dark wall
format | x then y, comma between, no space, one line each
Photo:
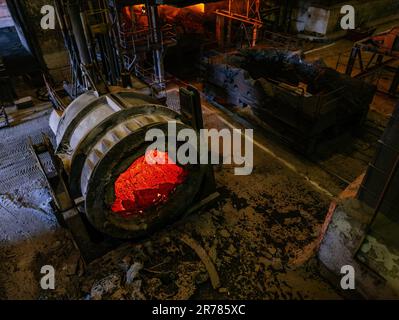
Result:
51,41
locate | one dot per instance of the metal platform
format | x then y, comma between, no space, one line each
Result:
24,201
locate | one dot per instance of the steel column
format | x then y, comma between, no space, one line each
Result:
78,32
156,37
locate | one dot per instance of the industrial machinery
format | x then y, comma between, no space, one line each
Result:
103,177
386,42
304,102
98,139
374,55
103,186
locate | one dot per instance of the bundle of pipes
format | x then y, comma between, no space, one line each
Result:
92,44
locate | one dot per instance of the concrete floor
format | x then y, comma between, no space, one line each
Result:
262,235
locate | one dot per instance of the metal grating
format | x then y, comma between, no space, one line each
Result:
17,165
173,100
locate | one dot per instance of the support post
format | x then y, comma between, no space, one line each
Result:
395,83
78,32
228,36
254,36
220,30
156,38
352,60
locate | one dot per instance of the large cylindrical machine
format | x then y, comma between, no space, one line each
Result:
101,142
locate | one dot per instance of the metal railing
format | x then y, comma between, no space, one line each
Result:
132,40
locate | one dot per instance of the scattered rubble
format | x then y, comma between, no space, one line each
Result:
132,272
210,267
105,286
244,245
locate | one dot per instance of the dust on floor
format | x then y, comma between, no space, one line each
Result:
261,237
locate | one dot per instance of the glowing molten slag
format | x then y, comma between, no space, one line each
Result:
145,185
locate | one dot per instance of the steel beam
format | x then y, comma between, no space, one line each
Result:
244,12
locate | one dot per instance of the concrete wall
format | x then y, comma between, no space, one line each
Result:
51,41
324,16
376,265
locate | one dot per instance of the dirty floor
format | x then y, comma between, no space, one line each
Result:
261,235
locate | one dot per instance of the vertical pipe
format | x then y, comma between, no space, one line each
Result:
78,32
228,35
117,11
156,38
285,14
77,79
220,30
351,61
254,35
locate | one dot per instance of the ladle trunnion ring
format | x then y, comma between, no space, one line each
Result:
98,139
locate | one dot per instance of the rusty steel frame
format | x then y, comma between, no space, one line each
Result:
379,46
373,64
250,16
154,38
